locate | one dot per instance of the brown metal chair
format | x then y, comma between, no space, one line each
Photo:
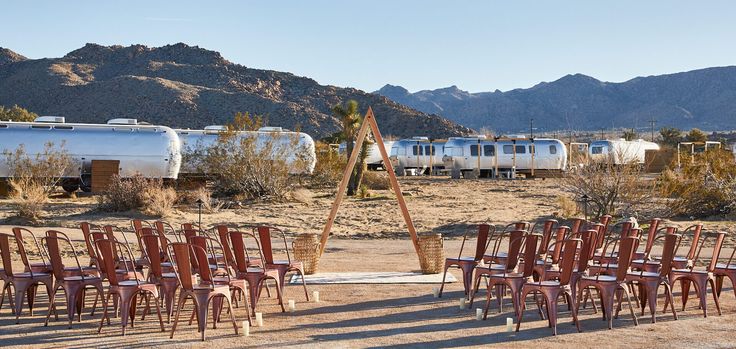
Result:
649,281
166,281
552,289
73,283
485,270
645,261
23,235
256,276
496,256
724,270
126,291
468,264
21,282
701,278
201,294
509,276
652,232
613,286
282,266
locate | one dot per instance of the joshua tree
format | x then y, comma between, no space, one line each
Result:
671,136
696,135
629,135
351,120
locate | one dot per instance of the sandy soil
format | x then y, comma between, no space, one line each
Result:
369,235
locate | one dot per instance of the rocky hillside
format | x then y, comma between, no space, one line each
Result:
185,86
703,98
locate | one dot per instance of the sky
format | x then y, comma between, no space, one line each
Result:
419,44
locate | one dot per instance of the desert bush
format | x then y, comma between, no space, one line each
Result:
244,166
703,188
568,207
329,167
138,193
610,187
34,177
209,203
363,192
159,200
376,180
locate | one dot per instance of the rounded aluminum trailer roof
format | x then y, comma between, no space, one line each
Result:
193,139
149,150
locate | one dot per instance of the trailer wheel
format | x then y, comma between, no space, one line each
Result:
400,171
70,188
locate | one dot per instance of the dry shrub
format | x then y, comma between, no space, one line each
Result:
329,168
704,188
209,204
363,192
568,207
34,177
245,166
159,200
138,193
610,187
376,180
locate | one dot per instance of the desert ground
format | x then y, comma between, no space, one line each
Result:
370,235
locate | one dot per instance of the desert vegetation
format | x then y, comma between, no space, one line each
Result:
149,196
33,177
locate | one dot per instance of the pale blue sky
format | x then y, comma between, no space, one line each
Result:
476,45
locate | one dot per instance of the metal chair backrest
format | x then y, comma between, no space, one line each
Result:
181,253
152,252
546,237
222,234
188,234
107,250
516,241
605,220
264,236
668,253
560,235
576,224
625,255
589,238
5,254
87,228
601,231
199,249
484,232
51,240
697,230
20,241
530,253
570,248
240,250
652,233
719,237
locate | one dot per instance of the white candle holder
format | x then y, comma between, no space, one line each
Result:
292,305
478,314
315,296
259,319
246,328
509,324
436,292
461,303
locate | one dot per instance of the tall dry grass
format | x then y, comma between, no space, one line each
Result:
138,193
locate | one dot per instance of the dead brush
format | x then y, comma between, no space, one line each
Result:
34,178
138,193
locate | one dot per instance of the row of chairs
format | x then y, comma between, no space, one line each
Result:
216,266
615,261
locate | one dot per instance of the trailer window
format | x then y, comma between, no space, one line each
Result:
3,126
429,149
596,150
532,149
552,149
489,150
520,149
41,127
454,151
508,149
473,150
63,127
417,150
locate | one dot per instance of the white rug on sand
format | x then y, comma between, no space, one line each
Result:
384,277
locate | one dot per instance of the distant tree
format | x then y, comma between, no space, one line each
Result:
16,113
351,119
629,135
670,136
696,135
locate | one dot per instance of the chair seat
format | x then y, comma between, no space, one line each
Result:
546,283
680,259
508,275
718,266
641,261
688,271
647,274
79,278
602,278
464,259
130,283
26,275
168,275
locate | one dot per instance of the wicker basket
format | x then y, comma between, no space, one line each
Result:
432,256
306,250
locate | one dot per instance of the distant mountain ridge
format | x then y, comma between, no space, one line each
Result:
704,98
187,86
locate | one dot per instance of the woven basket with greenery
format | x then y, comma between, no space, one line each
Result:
306,250
432,256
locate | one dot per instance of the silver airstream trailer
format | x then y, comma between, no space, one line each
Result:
620,151
478,156
417,155
149,150
374,161
298,147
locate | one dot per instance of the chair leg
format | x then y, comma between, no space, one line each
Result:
52,305
519,316
573,309
631,306
304,282
715,295
179,308
158,312
444,276
105,315
476,285
232,315
670,298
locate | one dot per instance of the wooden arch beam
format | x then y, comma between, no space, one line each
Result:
369,122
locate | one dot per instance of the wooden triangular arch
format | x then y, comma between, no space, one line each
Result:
369,121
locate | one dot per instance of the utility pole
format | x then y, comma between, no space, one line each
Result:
531,128
651,123
602,137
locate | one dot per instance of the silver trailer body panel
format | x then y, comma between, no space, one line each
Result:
462,153
620,151
152,151
374,154
417,153
296,146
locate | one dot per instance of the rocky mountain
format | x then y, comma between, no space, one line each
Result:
184,86
704,98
